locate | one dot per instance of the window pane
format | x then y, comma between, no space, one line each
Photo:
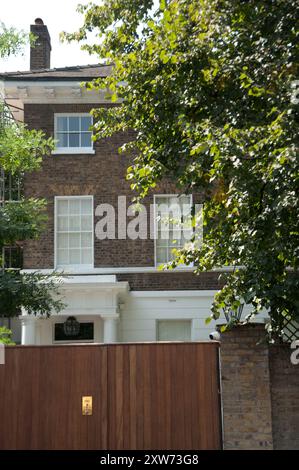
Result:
62,124
163,224
186,236
74,206
74,240
86,139
74,124
75,257
62,206
62,240
163,235
86,222
86,333
171,255
185,200
162,243
174,243
75,218
161,255
86,206
175,235
173,201
74,223
62,223
86,240
62,140
74,140
85,123
170,232
174,330
62,257
87,256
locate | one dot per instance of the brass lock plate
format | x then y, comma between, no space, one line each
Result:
86,406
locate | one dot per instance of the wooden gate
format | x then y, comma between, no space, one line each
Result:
145,396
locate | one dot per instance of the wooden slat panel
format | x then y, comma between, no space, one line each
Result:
145,396
164,396
41,390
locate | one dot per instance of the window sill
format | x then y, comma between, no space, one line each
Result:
72,151
74,267
82,341
181,267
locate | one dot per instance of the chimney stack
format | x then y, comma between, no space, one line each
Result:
40,51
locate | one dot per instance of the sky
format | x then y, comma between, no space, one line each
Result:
58,15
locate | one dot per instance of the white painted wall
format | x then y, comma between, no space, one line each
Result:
141,311
45,328
139,314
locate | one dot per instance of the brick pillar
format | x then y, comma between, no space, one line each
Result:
285,398
246,396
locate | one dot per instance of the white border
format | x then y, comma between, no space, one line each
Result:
155,226
72,150
129,270
80,266
171,294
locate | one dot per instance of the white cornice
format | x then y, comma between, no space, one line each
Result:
51,92
173,294
42,83
126,270
23,92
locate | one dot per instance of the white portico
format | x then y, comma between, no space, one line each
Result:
92,300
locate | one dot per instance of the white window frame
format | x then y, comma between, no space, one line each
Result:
156,196
72,266
71,150
189,320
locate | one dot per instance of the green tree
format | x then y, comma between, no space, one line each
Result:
5,336
207,87
21,150
11,41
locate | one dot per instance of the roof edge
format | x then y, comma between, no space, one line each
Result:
31,74
49,79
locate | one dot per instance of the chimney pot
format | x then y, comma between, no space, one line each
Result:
38,21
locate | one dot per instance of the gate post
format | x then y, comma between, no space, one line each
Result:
246,391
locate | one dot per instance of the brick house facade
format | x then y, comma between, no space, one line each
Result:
121,295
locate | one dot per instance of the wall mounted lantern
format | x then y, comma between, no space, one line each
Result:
71,327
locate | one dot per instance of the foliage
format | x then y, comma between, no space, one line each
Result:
5,336
22,220
34,292
11,41
207,87
22,150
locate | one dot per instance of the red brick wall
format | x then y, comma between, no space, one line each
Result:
285,398
102,175
246,389
260,392
171,281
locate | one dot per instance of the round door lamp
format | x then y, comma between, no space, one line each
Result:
71,327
